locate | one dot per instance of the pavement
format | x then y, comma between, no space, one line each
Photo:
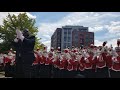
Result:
2,74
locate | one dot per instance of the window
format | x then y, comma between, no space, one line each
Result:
65,32
58,40
65,45
84,30
68,45
65,39
91,39
80,29
76,37
87,36
69,39
75,30
58,45
69,32
91,36
86,39
69,35
81,40
81,35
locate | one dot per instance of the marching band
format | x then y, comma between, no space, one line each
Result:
91,62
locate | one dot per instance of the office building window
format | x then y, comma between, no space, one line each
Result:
87,40
65,38
76,35
65,45
91,39
69,39
68,45
81,35
65,32
58,45
76,39
81,40
91,36
85,30
79,29
69,35
87,36
69,32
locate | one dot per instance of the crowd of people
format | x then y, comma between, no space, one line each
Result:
90,62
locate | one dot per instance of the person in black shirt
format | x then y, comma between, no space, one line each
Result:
24,45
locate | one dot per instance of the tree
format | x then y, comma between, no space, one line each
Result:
10,24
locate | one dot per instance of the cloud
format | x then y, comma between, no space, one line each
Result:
98,43
4,14
114,27
96,28
31,16
112,42
96,21
47,43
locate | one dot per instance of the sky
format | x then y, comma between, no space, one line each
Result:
105,25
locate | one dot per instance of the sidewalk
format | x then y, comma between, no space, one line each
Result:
2,74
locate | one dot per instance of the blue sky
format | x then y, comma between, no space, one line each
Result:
45,17
105,25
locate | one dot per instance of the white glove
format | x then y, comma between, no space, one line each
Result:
22,37
19,33
15,40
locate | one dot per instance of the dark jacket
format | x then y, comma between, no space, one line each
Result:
25,50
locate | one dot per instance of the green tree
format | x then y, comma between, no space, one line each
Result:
10,24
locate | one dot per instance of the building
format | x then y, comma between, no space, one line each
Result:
69,36
56,38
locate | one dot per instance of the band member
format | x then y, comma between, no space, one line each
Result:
40,61
35,69
102,70
1,61
81,67
12,64
44,69
118,42
64,63
80,58
56,64
8,68
71,60
52,57
73,63
109,61
48,63
115,69
88,72
109,58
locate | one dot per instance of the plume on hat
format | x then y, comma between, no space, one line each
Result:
118,42
104,43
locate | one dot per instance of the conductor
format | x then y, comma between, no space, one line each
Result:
24,46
